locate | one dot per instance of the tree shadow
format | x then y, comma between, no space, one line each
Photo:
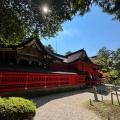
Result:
39,101
117,88
103,90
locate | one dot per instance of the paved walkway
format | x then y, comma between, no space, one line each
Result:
67,106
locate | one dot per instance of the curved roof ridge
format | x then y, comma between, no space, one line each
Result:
60,55
75,52
78,55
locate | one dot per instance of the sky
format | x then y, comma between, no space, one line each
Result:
92,31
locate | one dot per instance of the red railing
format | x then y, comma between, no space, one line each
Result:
15,81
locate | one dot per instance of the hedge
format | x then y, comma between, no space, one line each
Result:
16,108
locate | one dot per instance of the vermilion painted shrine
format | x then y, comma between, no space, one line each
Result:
30,65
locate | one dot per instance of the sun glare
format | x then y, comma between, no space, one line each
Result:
45,9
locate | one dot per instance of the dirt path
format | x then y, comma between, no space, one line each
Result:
67,106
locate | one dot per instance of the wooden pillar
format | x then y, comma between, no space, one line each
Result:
18,60
82,67
30,62
39,63
3,56
9,56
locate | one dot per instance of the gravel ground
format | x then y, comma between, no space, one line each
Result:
67,106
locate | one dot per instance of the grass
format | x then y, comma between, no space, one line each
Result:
105,109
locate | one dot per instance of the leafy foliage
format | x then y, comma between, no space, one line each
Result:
67,53
16,109
104,57
50,48
116,57
111,7
26,18
12,30
110,60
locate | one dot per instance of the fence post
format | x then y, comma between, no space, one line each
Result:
112,98
95,93
108,117
102,98
90,102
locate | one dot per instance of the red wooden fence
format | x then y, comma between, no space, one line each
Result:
16,81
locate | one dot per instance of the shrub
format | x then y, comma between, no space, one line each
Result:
118,81
14,108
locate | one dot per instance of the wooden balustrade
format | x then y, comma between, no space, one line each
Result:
15,81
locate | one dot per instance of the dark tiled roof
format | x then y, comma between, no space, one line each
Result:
53,54
78,55
27,41
62,57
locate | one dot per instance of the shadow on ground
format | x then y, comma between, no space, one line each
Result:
39,101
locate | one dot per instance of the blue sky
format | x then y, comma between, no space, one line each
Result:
91,32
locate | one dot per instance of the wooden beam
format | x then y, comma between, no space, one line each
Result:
6,49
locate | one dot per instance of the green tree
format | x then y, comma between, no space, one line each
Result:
67,53
12,30
110,61
50,48
21,18
110,6
116,59
104,58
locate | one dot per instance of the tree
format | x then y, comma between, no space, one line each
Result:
116,59
67,53
50,48
22,18
110,6
12,30
110,61
104,57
